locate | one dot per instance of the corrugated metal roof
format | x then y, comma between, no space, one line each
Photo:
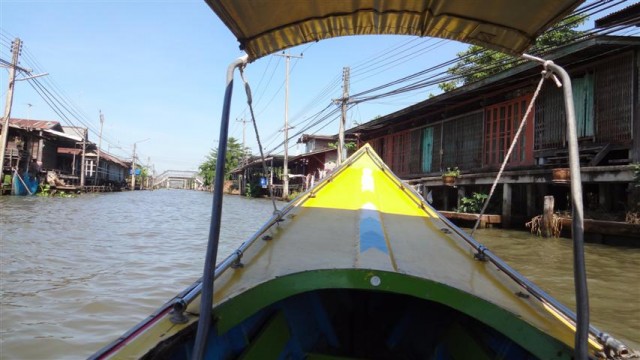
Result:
575,53
311,153
35,124
63,135
113,159
76,131
255,161
629,15
306,137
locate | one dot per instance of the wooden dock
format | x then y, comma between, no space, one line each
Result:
607,232
486,221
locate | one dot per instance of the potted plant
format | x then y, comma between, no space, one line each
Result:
449,176
561,175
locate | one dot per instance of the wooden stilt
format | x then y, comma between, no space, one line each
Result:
547,216
506,205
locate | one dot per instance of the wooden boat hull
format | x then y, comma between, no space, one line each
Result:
359,267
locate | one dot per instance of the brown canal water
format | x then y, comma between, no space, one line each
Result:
76,273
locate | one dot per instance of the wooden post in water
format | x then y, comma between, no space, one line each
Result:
531,203
547,216
445,204
507,192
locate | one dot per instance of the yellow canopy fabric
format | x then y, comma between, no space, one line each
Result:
266,26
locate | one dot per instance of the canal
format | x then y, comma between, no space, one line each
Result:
75,273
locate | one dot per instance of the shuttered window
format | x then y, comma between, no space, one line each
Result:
401,153
501,123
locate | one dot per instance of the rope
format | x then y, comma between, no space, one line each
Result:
255,127
545,74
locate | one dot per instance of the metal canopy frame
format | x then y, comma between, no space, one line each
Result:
260,34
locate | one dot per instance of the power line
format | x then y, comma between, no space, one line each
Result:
55,95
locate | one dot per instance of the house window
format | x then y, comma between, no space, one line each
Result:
462,141
89,167
501,124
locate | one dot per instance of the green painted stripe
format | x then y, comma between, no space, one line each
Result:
240,307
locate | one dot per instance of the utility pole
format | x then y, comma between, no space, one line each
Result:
133,168
241,177
133,164
285,172
82,164
244,127
342,151
148,168
15,49
95,181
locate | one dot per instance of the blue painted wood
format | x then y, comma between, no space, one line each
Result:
427,149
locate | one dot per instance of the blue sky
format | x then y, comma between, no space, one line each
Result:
156,71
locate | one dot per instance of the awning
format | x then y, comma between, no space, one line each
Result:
69,151
266,26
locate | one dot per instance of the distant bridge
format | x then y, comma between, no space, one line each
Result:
178,179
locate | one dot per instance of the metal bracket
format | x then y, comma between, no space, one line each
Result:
177,314
237,264
480,255
614,349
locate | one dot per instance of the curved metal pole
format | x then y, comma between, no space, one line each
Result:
577,226
206,298
579,268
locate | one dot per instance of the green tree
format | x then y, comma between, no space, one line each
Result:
235,155
476,63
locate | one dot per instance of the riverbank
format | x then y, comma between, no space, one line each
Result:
614,233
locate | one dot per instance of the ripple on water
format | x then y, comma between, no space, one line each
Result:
76,273
612,274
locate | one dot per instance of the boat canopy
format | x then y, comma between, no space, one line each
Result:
266,26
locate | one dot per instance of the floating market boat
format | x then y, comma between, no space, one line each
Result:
360,266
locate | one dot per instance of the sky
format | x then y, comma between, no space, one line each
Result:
156,70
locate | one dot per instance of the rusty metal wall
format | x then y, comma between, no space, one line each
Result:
614,99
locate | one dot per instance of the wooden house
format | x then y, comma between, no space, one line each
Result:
320,157
33,145
473,126
42,146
